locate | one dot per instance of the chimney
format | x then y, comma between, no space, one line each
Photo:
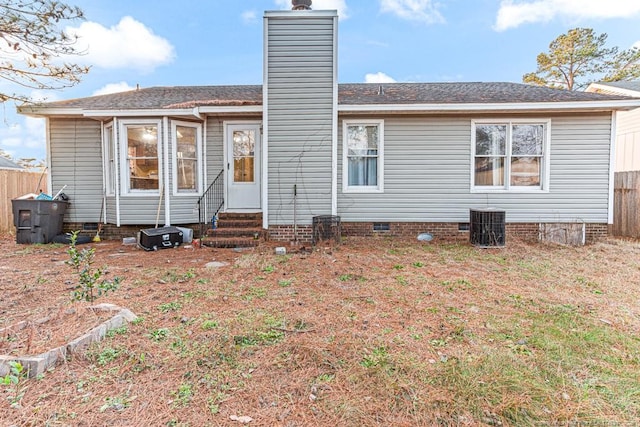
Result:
301,4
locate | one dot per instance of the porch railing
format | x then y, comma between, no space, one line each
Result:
211,202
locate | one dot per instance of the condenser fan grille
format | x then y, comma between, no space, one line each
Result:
487,227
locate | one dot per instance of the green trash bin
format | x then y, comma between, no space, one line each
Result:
38,221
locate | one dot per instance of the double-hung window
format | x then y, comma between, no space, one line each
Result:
186,137
141,171
510,155
363,165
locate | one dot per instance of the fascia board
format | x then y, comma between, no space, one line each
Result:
300,13
538,106
615,89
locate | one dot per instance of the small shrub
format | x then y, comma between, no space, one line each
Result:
90,286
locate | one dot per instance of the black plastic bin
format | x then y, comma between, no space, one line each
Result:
38,221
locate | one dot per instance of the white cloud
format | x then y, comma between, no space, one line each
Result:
515,13
425,11
378,77
339,5
30,133
113,88
129,44
249,16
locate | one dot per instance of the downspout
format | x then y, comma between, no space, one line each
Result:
612,166
265,127
48,150
167,202
117,160
334,125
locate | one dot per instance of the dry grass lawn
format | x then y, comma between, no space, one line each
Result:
374,332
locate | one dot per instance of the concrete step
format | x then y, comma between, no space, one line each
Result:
253,232
230,242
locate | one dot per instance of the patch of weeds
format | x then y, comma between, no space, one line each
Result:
117,331
377,358
159,334
285,283
325,378
456,285
137,321
174,276
178,346
282,259
213,402
89,285
119,403
254,292
269,269
345,277
107,355
202,281
170,306
13,383
516,300
438,342
592,286
398,267
183,395
207,325
270,337
418,264
402,281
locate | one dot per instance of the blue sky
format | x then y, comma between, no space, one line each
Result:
209,42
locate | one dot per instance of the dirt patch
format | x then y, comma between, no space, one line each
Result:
34,336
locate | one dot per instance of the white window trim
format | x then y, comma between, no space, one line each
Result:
346,188
109,174
174,157
124,170
507,188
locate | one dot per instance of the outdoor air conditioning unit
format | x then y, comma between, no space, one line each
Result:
487,227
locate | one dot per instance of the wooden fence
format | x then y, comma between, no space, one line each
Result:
15,183
626,209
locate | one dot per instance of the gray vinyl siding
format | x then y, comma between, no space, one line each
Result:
76,161
299,101
214,148
427,177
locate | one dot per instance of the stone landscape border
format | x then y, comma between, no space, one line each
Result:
37,365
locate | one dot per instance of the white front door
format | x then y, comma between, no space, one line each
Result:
243,167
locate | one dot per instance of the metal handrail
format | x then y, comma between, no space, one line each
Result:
211,202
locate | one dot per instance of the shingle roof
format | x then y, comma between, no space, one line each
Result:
459,93
8,164
630,85
348,94
167,97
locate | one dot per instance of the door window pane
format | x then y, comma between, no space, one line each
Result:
244,143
